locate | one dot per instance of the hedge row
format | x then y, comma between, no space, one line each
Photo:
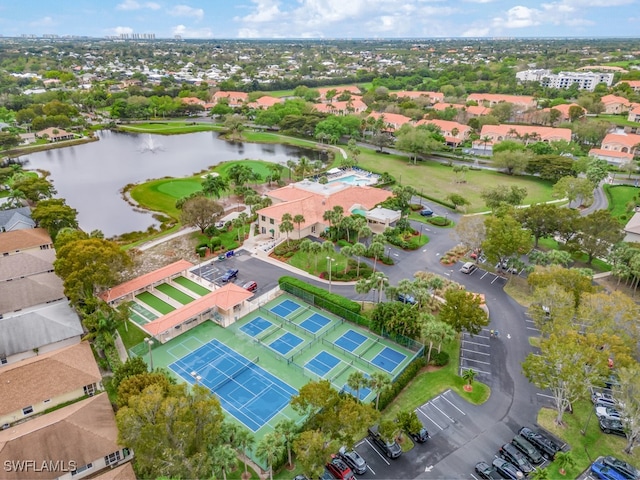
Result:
411,372
332,300
437,200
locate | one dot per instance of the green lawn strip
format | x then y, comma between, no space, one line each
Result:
437,179
580,258
191,285
619,120
621,197
229,238
169,128
586,448
154,302
306,262
237,473
174,293
429,384
131,335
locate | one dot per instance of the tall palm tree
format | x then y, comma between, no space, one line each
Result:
224,459
298,219
214,185
358,250
286,225
380,282
376,250
245,440
305,247
288,429
270,448
356,381
315,248
379,382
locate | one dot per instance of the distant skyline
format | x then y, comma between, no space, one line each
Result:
231,19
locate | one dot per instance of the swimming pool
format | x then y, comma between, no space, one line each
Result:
354,180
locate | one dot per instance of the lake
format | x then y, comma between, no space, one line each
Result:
91,176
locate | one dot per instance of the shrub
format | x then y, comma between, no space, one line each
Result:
344,243
440,359
320,294
389,394
415,207
286,247
439,221
215,242
385,260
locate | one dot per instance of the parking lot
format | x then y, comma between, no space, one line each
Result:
213,270
475,353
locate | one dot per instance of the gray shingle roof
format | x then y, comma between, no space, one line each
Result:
9,218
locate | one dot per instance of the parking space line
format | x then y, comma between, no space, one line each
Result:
475,343
376,450
476,361
473,476
534,329
436,407
485,274
475,370
473,351
372,471
429,418
451,403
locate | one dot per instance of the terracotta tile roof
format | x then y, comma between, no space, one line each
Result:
434,96
54,132
266,101
142,281
238,95
564,109
225,297
82,432
50,375
524,100
446,126
601,152
614,99
356,105
348,88
544,133
23,239
394,119
476,110
631,83
630,140
193,101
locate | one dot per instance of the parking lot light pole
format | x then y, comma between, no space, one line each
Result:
329,268
149,342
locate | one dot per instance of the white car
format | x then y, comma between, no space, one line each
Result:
608,413
468,268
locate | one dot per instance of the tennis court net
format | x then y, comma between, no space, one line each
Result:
243,368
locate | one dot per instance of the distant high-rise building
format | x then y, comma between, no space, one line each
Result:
562,80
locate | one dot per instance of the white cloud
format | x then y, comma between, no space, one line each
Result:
187,32
476,32
43,22
134,5
186,11
519,17
121,30
266,11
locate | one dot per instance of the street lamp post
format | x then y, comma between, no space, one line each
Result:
149,342
330,268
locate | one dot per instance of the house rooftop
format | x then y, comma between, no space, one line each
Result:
11,242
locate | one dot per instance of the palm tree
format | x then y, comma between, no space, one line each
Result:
469,375
305,247
565,460
288,430
363,287
270,448
214,185
315,248
376,250
379,382
224,459
358,250
380,282
239,224
539,474
485,140
286,225
298,219
327,247
245,441
356,381
347,251
16,198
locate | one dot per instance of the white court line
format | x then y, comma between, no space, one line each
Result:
376,450
436,407
475,343
451,403
475,370
419,409
473,351
476,361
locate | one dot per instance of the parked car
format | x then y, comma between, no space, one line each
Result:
486,471
420,436
607,412
300,477
468,268
612,426
339,469
426,212
603,398
602,471
390,449
326,475
406,298
251,286
507,470
354,460
511,454
525,446
229,275
544,444
629,471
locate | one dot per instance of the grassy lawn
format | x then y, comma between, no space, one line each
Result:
620,197
620,120
169,127
156,303
307,263
229,238
429,384
585,448
437,179
580,258
130,334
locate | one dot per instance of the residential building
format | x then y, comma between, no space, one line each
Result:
617,148
468,111
563,80
73,442
564,110
492,134
634,114
634,84
54,134
614,104
392,121
234,99
632,229
37,384
16,219
312,200
264,102
38,330
352,106
433,97
352,89
454,133
524,102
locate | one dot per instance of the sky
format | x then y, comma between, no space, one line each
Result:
231,19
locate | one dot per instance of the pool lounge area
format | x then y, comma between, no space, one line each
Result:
352,176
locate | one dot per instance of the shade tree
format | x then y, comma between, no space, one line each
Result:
463,312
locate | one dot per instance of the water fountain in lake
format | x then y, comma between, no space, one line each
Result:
149,145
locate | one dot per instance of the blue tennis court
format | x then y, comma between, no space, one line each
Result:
286,343
256,326
388,359
364,392
315,322
322,363
285,308
246,391
350,340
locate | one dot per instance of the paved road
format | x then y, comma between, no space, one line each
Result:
463,434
